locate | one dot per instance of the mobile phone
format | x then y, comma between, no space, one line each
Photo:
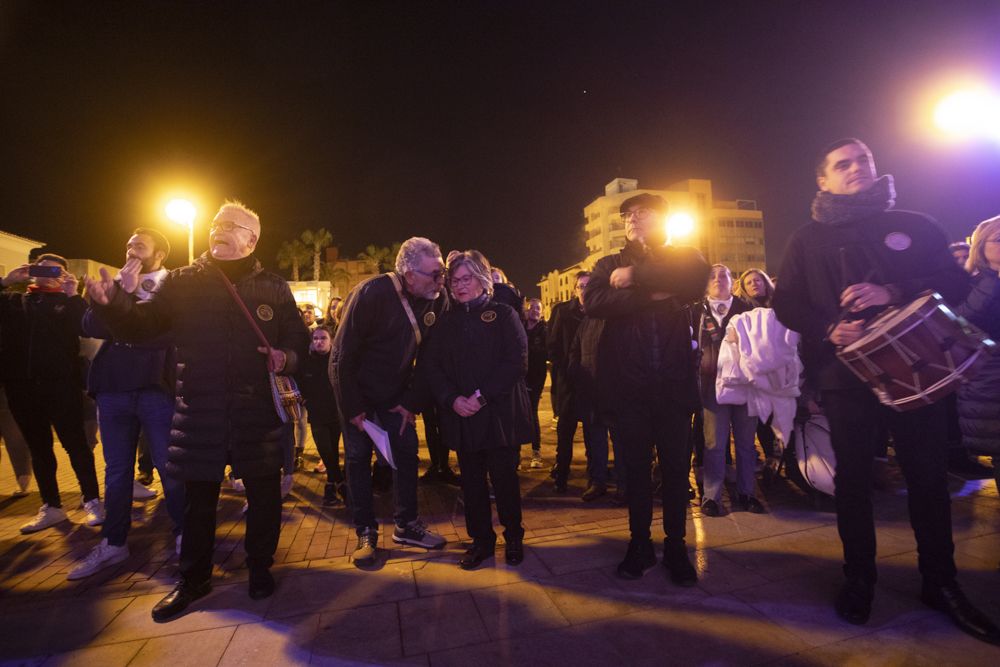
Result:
42,271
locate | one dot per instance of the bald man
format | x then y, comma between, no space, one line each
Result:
223,412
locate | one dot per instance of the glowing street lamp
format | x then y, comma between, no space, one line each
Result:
679,225
970,113
182,212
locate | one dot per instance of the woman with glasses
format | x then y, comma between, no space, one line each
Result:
475,364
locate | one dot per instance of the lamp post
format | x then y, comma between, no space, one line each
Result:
182,212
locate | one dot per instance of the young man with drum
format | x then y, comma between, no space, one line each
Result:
855,258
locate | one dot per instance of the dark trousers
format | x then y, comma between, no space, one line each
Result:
501,466
765,434
327,439
263,525
39,406
437,448
920,441
640,426
535,396
145,455
595,442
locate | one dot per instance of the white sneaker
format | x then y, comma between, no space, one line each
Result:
536,460
95,512
102,556
141,492
47,516
286,485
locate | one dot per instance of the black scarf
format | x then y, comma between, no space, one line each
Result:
834,209
235,269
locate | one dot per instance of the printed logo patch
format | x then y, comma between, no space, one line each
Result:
148,285
898,241
488,316
429,318
265,313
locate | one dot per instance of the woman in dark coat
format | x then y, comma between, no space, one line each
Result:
475,364
978,405
324,422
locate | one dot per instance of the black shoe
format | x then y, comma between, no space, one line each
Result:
678,563
639,558
750,504
261,583
952,601
145,477
560,486
178,600
513,551
475,556
330,496
854,602
431,476
964,465
710,508
450,477
594,491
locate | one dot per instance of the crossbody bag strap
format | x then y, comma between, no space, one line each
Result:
406,306
243,307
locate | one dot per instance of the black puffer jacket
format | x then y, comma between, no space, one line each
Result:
645,347
979,399
40,336
563,325
479,346
224,412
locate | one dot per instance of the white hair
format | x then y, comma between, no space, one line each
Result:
237,205
412,251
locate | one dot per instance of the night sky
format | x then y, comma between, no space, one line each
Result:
478,124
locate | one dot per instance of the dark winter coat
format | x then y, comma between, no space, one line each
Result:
482,347
375,348
563,324
223,412
979,399
40,336
314,383
582,368
710,335
537,356
645,348
121,366
822,259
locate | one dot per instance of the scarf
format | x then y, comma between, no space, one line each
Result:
46,290
834,209
149,283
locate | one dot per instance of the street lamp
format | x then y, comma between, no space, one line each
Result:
970,113
679,225
182,212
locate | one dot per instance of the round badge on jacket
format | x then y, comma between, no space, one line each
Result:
429,318
488,316
148,285
898,241
265,313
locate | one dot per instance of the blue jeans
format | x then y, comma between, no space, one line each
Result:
122,414
358,449
719,421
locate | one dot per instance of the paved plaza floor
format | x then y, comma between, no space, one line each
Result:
764,596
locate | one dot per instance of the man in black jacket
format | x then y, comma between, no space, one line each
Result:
224,412
855,258
39,359
647,389
371,367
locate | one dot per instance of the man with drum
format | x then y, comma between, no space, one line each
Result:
855,258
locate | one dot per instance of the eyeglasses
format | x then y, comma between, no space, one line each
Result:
433,275
640,214
228,226
463,281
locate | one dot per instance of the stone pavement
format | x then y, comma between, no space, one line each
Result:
764,595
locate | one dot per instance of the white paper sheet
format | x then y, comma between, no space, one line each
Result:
381,439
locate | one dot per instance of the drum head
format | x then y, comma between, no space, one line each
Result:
889,319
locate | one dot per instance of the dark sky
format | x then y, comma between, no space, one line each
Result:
478,124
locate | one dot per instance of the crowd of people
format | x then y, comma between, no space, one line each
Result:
660,356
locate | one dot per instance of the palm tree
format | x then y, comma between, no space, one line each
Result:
316,241
293,254
378,258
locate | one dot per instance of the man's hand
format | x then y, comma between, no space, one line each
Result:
101,291
846,332
16,276
622,277
359,421
465,406
275,362
408,417
864,295
70,283
128,277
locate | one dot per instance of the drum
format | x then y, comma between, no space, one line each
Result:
916,354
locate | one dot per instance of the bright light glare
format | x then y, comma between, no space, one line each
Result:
679,225
969,113
180,211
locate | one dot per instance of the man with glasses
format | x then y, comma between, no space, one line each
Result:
856,257
224,412
371,367
645,375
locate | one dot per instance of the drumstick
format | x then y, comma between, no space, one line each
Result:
847,309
